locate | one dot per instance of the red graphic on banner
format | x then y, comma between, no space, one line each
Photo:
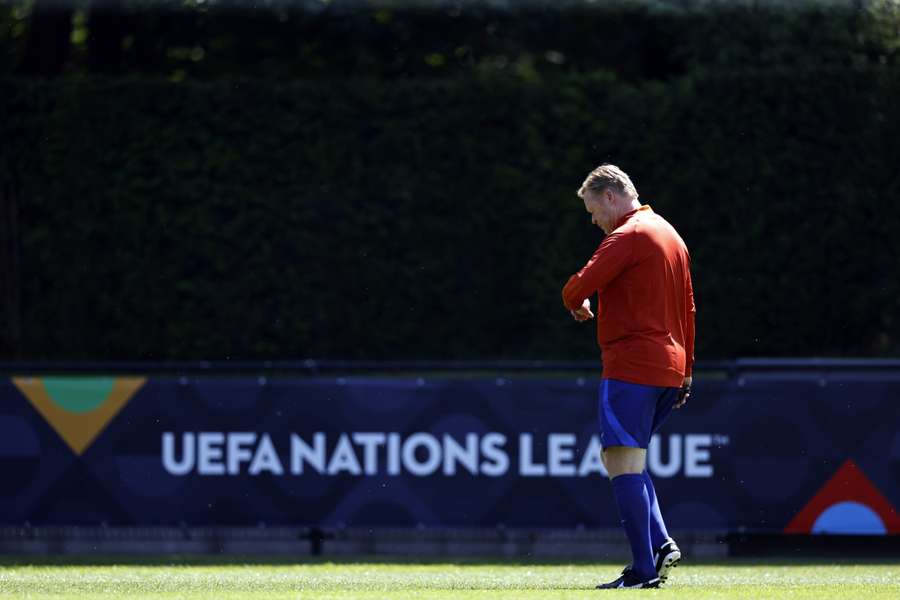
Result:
848,484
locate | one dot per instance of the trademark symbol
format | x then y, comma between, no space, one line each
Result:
721,440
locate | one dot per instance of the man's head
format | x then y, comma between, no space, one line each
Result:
608,194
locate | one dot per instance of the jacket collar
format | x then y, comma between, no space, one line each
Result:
628,215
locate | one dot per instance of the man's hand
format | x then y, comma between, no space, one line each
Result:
685,392
584,313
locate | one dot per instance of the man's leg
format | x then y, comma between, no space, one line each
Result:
666,551
626,420
658,533
626,467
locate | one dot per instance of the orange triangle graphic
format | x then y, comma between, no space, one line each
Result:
849,483
78,429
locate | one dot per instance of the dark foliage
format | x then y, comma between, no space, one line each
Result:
437,218
632,40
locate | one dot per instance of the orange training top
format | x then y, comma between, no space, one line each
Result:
645,310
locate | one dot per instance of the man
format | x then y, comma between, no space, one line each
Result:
645,328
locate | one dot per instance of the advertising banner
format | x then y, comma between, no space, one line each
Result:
769,453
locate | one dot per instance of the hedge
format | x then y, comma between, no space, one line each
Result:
636,39
437,218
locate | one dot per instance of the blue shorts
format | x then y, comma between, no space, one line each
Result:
630,413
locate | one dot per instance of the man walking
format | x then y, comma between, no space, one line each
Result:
645,328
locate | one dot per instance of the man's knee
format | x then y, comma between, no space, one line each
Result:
622,460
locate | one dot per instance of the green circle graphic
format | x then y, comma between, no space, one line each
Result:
78,394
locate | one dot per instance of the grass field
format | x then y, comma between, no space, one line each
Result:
258,579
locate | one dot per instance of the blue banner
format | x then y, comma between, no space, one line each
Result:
766,453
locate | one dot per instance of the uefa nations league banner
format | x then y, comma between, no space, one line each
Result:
771,453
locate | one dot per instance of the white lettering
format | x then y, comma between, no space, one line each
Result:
696,449
370,443
492,450
422,454
560,453
527,468
654,456
454,452
393,467
433,460
209,453
592,461
266,459
170,464
344,459
301,452
237,450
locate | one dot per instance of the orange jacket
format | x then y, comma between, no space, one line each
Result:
645,312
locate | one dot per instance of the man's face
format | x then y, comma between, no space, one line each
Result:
599,205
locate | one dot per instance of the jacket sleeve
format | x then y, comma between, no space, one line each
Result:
612,257
690,319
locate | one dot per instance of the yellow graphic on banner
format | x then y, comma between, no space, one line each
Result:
79,408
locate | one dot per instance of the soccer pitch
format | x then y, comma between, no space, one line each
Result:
255,578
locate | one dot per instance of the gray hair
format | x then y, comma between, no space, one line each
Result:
608,176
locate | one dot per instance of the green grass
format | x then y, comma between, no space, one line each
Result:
256,579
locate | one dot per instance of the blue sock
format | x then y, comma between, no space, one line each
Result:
658,532
634,509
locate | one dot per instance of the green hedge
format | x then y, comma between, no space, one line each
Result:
437,219
636,39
